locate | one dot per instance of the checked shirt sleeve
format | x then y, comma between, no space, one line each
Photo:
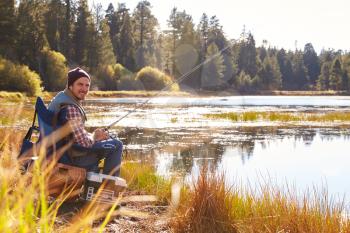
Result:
80,135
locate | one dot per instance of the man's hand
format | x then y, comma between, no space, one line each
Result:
100,134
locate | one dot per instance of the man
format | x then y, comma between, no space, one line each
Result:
78,84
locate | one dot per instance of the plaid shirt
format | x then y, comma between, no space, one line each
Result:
80,135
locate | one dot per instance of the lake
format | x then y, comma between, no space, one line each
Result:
173,134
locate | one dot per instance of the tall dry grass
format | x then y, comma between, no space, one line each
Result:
24,198
205,208
212,206
24,201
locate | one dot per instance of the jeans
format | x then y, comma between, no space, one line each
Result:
112,153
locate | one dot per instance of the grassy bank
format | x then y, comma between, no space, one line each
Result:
6,96
305,93
282,117
17,96
47,96
273,93
24,202
12,96
208,205
212,206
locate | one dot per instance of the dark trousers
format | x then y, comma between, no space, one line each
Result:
111,151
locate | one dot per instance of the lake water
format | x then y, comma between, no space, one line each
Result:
173,134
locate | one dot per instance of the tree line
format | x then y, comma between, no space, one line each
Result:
125,49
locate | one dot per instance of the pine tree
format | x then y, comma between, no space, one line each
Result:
300,76
203,37
7,28
210,31
67,31
213,71
31,37
312,63
346,68
203,31
98,53
247,57
110,18
126,53
323,78
262,53
346,61
328,55
230,70
111,21
188,35
84,36
344,80
145,34
285,66
335,78
175,24
105,48
54,21
145,23
216,34
186,53
97,15
269,75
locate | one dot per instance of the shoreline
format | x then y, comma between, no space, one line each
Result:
201,93
6,96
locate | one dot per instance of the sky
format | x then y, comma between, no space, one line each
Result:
283,23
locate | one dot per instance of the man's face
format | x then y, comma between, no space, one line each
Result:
80,88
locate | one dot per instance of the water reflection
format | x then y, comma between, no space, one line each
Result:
213,143
301,156
176,137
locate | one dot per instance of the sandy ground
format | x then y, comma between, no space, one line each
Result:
130,217
157,220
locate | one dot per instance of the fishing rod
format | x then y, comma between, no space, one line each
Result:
180,79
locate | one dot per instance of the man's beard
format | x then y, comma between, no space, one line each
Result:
83,94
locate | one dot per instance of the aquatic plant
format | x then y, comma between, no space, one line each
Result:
282,116
142,178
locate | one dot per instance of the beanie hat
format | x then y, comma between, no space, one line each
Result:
75,74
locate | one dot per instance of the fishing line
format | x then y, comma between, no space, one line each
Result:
180,79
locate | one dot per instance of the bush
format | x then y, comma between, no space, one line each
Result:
14,77
106,79
55,71
110,77
129,83
153,79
